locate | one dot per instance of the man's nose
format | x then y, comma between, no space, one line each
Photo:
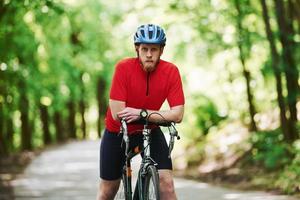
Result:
148,54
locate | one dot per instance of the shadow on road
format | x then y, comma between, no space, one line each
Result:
71,172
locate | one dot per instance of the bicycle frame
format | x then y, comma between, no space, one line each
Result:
146,160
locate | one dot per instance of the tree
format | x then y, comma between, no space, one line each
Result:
291,73
101,87
277,71
244,45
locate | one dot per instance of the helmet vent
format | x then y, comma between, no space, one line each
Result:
143,32
158,33
150,34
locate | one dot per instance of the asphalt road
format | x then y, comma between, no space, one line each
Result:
71,172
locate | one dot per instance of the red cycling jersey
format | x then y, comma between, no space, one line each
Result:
144,90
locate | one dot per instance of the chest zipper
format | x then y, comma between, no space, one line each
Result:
147,89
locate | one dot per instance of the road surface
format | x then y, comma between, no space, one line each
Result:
70,172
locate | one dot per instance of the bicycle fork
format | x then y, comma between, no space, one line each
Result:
147,160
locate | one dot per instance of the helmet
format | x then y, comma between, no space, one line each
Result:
150,34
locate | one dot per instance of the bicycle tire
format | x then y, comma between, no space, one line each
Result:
124,186
122,192
151,184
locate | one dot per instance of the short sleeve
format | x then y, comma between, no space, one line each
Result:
118,88
175,95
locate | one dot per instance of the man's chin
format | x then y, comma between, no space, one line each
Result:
149,68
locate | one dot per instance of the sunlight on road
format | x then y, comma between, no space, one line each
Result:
70,172
183,184
66,172
190,190
242,196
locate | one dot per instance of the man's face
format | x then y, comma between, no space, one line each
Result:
149,55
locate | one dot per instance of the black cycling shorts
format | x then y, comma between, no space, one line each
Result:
112,155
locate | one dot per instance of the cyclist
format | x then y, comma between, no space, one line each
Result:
139,87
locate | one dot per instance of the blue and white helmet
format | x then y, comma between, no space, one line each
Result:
150,34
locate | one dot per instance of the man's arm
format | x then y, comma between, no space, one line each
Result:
175,114
115,107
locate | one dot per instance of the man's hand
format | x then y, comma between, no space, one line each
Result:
129,114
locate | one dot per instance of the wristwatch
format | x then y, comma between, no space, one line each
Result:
144,114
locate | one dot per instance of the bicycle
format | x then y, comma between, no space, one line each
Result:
147,185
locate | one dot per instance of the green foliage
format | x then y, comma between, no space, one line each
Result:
52,50
288,180
59,49
270,150
196,153
267,70
206,113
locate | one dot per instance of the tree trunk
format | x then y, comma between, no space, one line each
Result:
3,148
83,122
6,124
45,124
246,73
277,72
71,119
294,7
291,72
252,110
26,136
3,9
101,86
60,135
82,109
10,134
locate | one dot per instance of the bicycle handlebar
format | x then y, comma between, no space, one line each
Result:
146,122
171,127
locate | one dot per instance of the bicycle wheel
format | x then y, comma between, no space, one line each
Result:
151,184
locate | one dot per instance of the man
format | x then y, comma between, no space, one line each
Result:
139,87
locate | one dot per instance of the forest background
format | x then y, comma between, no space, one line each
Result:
239,60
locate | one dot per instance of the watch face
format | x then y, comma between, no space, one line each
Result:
144,113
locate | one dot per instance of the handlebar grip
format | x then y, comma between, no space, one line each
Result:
166,124
144,122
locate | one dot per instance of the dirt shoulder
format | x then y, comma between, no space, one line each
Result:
10,168
245,178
